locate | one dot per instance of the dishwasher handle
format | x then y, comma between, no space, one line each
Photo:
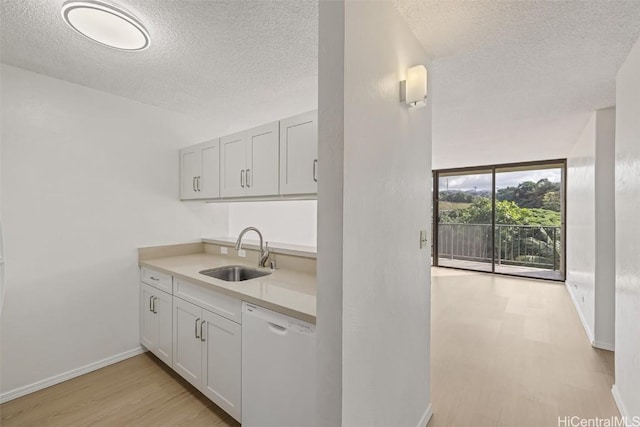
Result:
277,329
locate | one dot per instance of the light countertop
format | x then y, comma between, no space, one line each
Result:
286,291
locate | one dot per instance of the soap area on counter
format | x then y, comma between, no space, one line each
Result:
235,340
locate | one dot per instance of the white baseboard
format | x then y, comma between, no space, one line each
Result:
585,325
619,402
603,345
426,417
48,382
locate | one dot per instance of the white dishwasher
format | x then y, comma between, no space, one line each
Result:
278,369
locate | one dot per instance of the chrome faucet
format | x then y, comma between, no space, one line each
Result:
264,251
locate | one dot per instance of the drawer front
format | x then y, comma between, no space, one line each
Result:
156,279
209,299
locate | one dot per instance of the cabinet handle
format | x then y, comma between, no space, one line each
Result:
201,331
198,183
150,304
315,167
247,176
153,299
197,320
194,184
242,178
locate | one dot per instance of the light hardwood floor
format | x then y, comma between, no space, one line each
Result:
505,352
140,391
512,352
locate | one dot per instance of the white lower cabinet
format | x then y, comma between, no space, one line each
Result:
222,363
187,344
156,322
207,352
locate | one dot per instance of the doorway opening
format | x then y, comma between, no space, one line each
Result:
505,219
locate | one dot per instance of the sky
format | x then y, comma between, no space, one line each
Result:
482,182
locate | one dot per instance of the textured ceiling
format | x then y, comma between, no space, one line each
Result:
214,60
510,80
516,79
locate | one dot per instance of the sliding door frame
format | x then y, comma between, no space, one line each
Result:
471,169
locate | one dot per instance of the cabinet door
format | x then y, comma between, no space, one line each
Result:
164,316
187,344
208,182
148,320
189,171
233,161
263,158
222,355
299,154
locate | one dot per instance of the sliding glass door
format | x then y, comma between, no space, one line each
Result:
505,219
465,220
528,217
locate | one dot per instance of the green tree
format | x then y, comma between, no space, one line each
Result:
529,194
551,201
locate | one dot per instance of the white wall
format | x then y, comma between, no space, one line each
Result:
380,199
591,228
605,293
330,262
581,224
627,194
87,178
291,221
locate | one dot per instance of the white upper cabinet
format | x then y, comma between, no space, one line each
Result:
250,162
209,181
269,161
261,175
189,172
232,165
299,154
200,171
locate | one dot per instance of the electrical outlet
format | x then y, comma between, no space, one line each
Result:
423,239
242,253
224,250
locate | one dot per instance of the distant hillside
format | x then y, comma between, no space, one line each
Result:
543,194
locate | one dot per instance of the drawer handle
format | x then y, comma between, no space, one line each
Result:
197,320
154,278
202,331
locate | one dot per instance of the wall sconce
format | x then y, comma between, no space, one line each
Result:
413,91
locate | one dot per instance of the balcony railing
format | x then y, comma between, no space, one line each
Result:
519,245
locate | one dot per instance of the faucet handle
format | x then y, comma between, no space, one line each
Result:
264,255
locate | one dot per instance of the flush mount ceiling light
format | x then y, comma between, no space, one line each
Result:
106,24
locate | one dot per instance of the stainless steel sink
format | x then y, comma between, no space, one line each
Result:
234,273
